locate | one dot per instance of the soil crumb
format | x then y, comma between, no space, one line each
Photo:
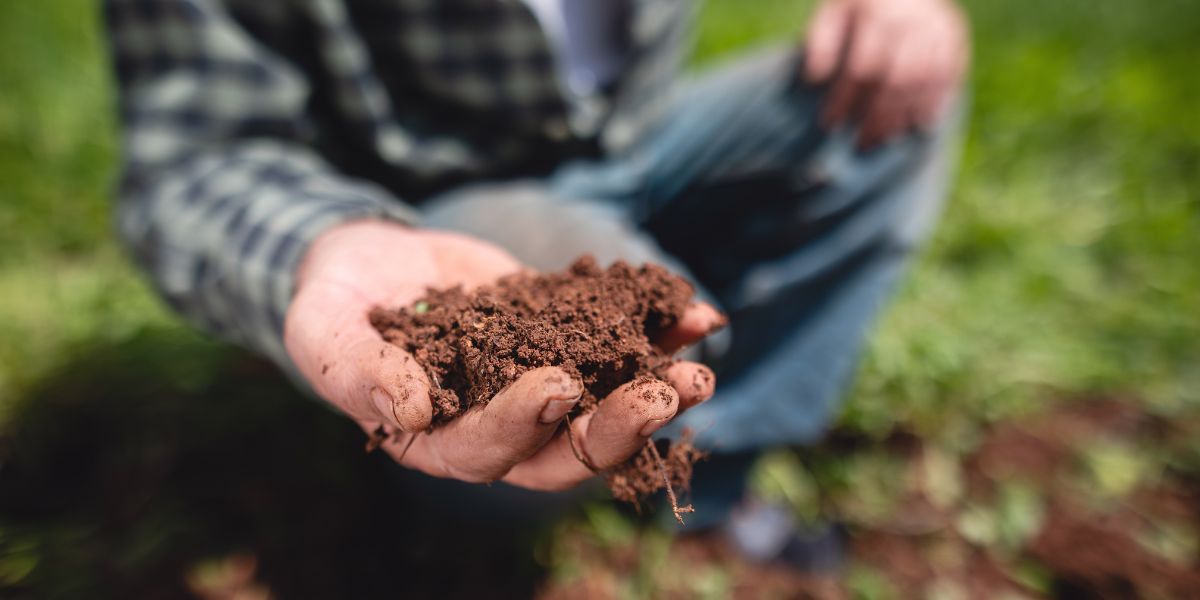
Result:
595,323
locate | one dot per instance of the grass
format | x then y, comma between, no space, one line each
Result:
62,280
1065,267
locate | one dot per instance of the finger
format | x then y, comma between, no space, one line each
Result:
944,98
826,41
940,86
384,380
925,111
911,62
699,320
917,67
483,444
694,383
839,102
939,73
617,429
889,110
348,363
866,62
888,118
950,58
945,87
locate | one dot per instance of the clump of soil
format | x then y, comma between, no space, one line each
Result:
596,324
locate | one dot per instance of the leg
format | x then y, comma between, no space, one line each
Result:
798,235
541,229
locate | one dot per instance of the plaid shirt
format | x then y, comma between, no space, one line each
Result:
251,126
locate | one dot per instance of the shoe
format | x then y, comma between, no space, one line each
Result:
769,533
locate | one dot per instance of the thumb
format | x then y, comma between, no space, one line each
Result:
328,336
699,320
827,35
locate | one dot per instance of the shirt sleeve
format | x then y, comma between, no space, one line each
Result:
220,192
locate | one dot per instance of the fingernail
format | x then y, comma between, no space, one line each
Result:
555,410
382,399
653,425
385,403
721,321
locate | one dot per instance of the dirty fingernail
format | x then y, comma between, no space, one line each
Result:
555,410
720,321
387,405
652,425
382,399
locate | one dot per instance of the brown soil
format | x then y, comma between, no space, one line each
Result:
1085,546
596,324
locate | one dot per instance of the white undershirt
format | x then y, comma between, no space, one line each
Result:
585,38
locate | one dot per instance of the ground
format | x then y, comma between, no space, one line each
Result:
1027,412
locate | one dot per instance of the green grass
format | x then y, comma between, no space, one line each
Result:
63,281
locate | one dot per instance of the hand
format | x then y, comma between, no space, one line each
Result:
893,64
515,437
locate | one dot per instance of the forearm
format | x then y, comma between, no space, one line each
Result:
221,192
221,233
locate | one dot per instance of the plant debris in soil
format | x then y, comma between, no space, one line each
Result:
594,323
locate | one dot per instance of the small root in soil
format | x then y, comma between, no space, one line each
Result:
659,463
377,438
653,468
408,445
662,467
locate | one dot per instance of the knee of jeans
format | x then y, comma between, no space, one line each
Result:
540,228
916,219
918,201
926,193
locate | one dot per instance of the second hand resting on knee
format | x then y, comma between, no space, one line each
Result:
891,65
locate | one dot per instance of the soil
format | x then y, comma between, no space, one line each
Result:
1085,546
597,324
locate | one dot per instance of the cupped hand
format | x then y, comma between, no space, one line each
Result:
893,65
516,436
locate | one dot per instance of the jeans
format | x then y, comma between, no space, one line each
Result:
786,226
